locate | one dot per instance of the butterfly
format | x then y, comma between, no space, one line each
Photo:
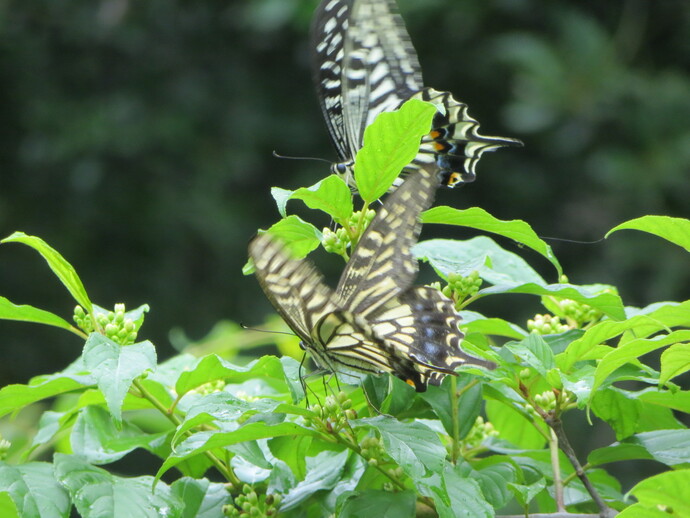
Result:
375,321
363,64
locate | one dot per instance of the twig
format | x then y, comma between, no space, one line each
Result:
556,465
604,510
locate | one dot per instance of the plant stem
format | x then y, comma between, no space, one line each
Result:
454,397
556,468
219,464
557,426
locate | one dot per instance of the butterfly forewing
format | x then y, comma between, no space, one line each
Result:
293,286
382,264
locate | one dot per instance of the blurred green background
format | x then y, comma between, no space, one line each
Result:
137,140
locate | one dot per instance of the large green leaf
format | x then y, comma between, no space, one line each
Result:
95,438
475,217
608,303
25,313
323,473
631,351
493,263
675,230
674,361
115,367
202,499
208,440
413,445
671,447
534,351
62,269
34,490
331,195
644,323
667,492
390,143
15,397
379,504
458,497
99,494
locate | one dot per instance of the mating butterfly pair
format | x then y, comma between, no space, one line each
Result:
375,321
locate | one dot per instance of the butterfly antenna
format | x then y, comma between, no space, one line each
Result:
574,241
243,326
286,157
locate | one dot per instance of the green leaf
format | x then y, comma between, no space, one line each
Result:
668,492
534,351
481,254
7,507
493,475
514,427
473,322
281,197
97,493
525,493
675,400
644,324
674,361
475,217
608,303
331,195
618,410
618,452
212,367
323,473
95,439
413,445
61,268
469,404
390,143
379,504
675,230
202,499
458,497
204,441
25,313
670,447
115,367
15,397
34,491
631,351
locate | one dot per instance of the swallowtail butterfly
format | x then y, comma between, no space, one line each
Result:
374,321
364,64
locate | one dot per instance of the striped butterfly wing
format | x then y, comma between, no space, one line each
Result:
294,287
382,264
364,64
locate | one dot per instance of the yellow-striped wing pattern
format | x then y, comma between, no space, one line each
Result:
374,321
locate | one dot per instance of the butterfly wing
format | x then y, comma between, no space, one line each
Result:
328,33
454,144
363,63
294,287
382,264
421,325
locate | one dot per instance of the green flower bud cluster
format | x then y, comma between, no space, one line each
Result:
551,400
372,450
82,319
249,503
335,242
209,388
461,287
546,325
117,327
578,312
356,217
333,416
479,432
4,448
